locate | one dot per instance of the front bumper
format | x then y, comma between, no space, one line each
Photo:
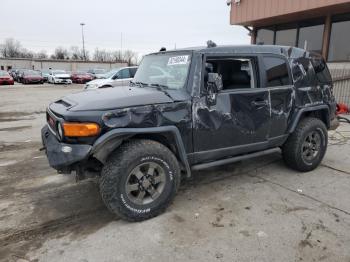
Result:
62,156
7,82
62,81
34,81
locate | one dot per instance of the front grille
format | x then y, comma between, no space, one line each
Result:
64,78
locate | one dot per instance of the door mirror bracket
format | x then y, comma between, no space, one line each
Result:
214,82
214,85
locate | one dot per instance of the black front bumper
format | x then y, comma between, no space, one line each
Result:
61,156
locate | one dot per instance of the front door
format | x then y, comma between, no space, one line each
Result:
238,119
122,78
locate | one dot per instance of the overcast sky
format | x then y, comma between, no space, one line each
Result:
145,25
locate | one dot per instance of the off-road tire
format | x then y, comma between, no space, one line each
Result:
293,148
120,164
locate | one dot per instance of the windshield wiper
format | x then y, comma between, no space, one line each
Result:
159,87
140,84
162,88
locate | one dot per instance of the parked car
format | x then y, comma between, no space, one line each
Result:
12,72
215,106
81,77
119,77
6,78
59,77
97,73
45,73
32,77
19,75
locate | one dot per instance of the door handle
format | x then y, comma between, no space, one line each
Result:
259,103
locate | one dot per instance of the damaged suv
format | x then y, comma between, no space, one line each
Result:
189,110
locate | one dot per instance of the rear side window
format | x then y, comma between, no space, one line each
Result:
303,72
124,73
132,72
276,72
321,70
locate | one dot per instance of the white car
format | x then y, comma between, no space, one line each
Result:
59,77
119,77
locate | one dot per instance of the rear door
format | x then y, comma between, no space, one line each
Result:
277,79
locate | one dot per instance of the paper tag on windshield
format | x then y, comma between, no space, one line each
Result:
178,60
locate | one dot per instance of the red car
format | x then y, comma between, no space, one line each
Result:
6,79
32,77
81,78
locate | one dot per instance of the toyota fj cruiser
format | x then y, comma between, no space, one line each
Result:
189,110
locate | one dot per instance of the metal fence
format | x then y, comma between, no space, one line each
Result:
341,79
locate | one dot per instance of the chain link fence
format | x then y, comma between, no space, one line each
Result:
341,78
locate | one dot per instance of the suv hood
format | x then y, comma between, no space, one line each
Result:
113,98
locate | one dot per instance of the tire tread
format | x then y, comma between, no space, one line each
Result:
290,149
117,161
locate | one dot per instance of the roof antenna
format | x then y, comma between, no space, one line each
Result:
163,49
211,44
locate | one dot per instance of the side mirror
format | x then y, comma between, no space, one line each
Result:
214,82
116,76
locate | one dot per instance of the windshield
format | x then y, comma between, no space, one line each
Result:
81,74
58,72
3,73
166,70
110,74
32,73
99,71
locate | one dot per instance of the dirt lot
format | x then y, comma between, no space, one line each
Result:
256,210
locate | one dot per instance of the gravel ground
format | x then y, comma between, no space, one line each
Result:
256,210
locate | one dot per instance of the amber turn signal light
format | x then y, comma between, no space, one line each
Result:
81,129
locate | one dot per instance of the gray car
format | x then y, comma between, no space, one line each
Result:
118,77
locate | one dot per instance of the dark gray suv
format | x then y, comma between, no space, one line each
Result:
188,110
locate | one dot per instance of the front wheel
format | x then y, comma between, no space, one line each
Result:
306,146
140,180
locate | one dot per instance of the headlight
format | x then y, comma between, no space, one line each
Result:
60,130
81,129
92,86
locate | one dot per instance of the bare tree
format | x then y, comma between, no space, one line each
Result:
117,56
25,53
10,48
41,55
60,53
130,57
77,53
103,55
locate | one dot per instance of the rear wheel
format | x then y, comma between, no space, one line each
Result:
140,180
306,146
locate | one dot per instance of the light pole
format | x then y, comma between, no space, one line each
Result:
82,34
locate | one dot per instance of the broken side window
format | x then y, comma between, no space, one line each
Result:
236,73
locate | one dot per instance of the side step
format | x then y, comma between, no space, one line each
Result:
235,159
